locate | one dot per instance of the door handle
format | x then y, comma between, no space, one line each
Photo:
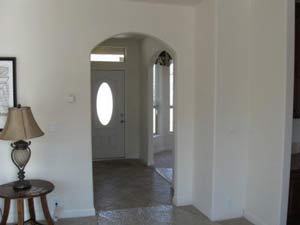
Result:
122,121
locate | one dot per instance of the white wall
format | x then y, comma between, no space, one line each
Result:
222,87
258,90
271,90
244,76
231,118
52,41
204,105
132,69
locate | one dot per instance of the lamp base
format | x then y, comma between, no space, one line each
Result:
22,185
20,156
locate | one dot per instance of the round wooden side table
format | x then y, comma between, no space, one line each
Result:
39,188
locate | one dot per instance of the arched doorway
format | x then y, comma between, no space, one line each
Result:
122,123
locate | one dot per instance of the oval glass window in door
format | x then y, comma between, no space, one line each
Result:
104,103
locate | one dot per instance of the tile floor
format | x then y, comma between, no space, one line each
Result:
123,184
128,193
239,221
163,163
160,215
166,173
163,159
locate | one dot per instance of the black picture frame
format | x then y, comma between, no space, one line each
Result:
8,74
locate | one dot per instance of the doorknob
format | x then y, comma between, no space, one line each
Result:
122,121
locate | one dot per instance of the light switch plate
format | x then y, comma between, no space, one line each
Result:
71,98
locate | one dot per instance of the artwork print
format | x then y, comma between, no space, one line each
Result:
7,87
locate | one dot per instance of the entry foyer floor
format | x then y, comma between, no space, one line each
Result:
163,163
159,215
123,184
128,193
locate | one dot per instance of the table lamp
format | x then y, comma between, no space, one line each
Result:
20,126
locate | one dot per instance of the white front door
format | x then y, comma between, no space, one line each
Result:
108,114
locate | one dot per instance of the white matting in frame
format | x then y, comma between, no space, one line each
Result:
7,87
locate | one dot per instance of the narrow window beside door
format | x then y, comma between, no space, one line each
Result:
171,98
155,102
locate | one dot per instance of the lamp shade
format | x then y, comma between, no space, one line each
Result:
20,125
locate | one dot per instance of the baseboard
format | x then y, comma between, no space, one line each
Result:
181,201
73,213
78,213
253,219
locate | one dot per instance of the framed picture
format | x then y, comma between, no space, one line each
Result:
8,88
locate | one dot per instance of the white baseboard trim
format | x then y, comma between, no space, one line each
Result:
181,201
73,213
228,217
253,218
78,213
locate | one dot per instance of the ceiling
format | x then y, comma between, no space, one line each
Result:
180,2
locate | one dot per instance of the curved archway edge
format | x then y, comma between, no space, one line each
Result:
166,47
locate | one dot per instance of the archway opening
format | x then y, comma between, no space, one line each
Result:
163,115
132,105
